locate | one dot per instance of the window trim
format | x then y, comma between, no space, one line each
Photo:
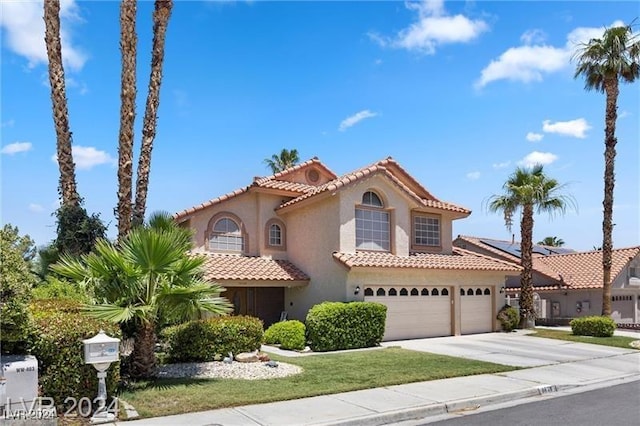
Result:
243,233
423,247
390,211
283,234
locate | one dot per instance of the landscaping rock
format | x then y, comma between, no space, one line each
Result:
247,357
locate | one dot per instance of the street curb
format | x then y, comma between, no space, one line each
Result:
419,412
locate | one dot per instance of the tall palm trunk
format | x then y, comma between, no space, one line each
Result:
161,17
611,114
527,312
143,357
67,184
128,40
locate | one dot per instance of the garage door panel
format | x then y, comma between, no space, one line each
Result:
476,311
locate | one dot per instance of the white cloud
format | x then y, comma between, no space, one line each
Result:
537,157
16,147
576,128
531,61
534,137
23,25
87,157
35,208
8,123
355,119
502,165
432,29
473,175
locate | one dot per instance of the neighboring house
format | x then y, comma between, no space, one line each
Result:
305,235
568,283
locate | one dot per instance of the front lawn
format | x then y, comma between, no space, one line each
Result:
615,341
323,374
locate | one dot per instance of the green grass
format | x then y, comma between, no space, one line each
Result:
322,375
615,341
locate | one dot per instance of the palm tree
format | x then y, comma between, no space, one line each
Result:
146,280
67,185
161,16
528,191
286,159
128,40
552,242
604,62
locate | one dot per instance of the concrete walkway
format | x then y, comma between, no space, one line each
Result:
558,365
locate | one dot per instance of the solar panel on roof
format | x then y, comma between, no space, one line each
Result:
514,248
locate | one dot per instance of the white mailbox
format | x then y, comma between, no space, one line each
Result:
101,349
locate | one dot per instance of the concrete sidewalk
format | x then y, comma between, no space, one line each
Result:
598,367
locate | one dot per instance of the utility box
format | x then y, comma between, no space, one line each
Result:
20,382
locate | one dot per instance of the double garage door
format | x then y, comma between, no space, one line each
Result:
419,312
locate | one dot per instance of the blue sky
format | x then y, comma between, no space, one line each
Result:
459,93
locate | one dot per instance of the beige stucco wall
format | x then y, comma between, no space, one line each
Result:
454,279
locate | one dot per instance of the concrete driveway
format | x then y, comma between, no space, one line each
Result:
516,349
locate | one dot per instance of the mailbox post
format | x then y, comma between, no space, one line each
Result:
100,351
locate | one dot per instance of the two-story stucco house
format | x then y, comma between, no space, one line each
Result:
305,235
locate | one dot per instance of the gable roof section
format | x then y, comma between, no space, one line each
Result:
247,268
459,260
584,269
396,174
283,175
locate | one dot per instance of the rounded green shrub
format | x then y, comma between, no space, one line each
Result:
287,334
59,327
596,326
509,318
335,326
213,338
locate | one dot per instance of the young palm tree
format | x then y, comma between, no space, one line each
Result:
286,159
552,242
128,40
529,191
604,62
67,185
147,279
161,16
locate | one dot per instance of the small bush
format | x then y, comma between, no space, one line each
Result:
55,288
288,334
593,326
210,339
334,326
508,317
56,341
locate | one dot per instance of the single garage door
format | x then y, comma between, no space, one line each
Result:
413,312
622,308
476,310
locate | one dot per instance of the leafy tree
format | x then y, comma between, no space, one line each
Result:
77,232
552,242
67,185
529,191
147,279
286,159
16,281
604,63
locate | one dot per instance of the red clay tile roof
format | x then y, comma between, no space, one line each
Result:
295,168
459,260
234,267
584,270
180,215
297,187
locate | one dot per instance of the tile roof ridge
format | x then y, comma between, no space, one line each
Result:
484,256
275,176
583,253
210,202
391,160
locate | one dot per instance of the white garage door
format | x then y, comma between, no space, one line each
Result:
413,312
622,308
476,310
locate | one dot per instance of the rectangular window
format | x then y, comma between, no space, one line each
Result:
426,231
228,242
372,230
275,235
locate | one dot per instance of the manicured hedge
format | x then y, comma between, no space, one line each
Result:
211,339
287,334
508,317
334,326
593,326
56,341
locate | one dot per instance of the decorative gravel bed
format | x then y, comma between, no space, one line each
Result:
221,370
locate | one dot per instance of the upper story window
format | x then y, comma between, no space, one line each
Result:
372,224
426,230
275,236
226,236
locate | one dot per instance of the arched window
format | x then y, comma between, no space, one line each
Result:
462,293
226,235
373,231
434,292
404,292
424,292
380,292
487,292
470,292
444,292
478,292
368,291
393,292
275,237
414,292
